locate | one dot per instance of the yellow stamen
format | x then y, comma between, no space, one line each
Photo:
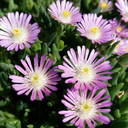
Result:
127,49
94,30
84,70
86,107
16,32
66,13
103,5
35,78
119,29
116,46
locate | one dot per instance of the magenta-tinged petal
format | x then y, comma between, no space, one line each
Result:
52,87
22,91
99,94
67,104
25,65
28,92
102,119
18,87
33,96
36,61
20,69
40,95
78,122
74,120
104,110
63,112
77,85
42,61
104,104
46,91
105,97
71,80
68,118
89,123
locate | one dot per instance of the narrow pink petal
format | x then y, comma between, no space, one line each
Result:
33,96
20,69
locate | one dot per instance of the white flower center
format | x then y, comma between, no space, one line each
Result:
93,33
84,73
65,17
36,79
19,35
86,109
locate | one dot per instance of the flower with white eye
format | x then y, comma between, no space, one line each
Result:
122,6
84,107
105,5
16,31
118,29
95,28
38,79
65,12
85,70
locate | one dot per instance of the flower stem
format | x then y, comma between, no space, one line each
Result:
84,126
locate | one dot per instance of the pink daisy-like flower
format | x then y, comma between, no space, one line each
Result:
85,70
16,31
85,108
38,79
95,28
119,29
65,12
122,47
105,5
122,6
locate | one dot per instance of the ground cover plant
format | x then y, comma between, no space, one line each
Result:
63,63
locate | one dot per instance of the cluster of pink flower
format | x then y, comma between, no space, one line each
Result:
85,71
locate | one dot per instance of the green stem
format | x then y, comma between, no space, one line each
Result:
59,32
84,126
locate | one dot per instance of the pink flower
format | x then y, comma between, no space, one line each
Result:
85,70
118,29
122,47
105,5
16,31
84,107
38,79
95,28
122,6
65,12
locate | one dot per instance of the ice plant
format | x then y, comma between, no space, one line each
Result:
95,28
65,12
122,47
105,5
38,79
16,31
118,29
122,6
85,108
85,70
